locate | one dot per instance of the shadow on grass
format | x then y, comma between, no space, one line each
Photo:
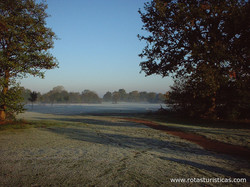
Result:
124,141
168,117
101,122
144,143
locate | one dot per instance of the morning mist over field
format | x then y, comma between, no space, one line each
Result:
97,120
97,48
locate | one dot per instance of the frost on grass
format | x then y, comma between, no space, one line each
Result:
105,151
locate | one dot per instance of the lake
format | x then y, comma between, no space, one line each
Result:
104,108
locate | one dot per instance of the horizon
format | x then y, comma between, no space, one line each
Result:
98,48
100,95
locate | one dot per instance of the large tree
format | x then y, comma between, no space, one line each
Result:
205,43
24,43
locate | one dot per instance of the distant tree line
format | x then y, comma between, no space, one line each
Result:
135,96
59,95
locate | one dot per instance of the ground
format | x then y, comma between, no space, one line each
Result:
113,151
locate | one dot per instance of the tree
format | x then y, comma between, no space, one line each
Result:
90,97
143,96
24,44
151,97
203,42
25,94
14,100
74,97
160,98
115,97
58,94
134,96
33,97
107,97
123,95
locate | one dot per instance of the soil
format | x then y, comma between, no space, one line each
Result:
210,145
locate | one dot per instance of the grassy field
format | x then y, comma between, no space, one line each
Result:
60,150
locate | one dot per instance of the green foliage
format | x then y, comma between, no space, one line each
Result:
107,97
115,97
24,47
60,95
56,95
232,100
25,39
123,95
186,34
134,96
33,96
13,101
205,46
90,97
25,94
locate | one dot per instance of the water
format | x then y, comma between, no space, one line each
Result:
104,108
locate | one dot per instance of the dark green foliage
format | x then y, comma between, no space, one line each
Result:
33,96
232,100
90,97
60,95
115,97
25,94
134,96
56,95
123,95
205,46
13,101
74,97
107,97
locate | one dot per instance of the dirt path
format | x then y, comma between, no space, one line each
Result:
210,145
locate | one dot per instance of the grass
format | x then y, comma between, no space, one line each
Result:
61,150
232,132
26,124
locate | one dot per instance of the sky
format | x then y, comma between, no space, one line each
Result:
97,48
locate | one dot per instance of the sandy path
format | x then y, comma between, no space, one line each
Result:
104,151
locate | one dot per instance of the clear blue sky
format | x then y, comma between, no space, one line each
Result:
98,48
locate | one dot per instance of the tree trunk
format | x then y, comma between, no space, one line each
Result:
211,111
213,106
3,106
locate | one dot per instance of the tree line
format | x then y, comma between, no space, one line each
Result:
59,95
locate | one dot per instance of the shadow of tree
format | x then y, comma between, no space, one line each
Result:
144,143
102,122
124,141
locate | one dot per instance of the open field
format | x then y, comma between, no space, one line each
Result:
85,150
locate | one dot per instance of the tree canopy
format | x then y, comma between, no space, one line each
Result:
205,45
25,41
185,35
